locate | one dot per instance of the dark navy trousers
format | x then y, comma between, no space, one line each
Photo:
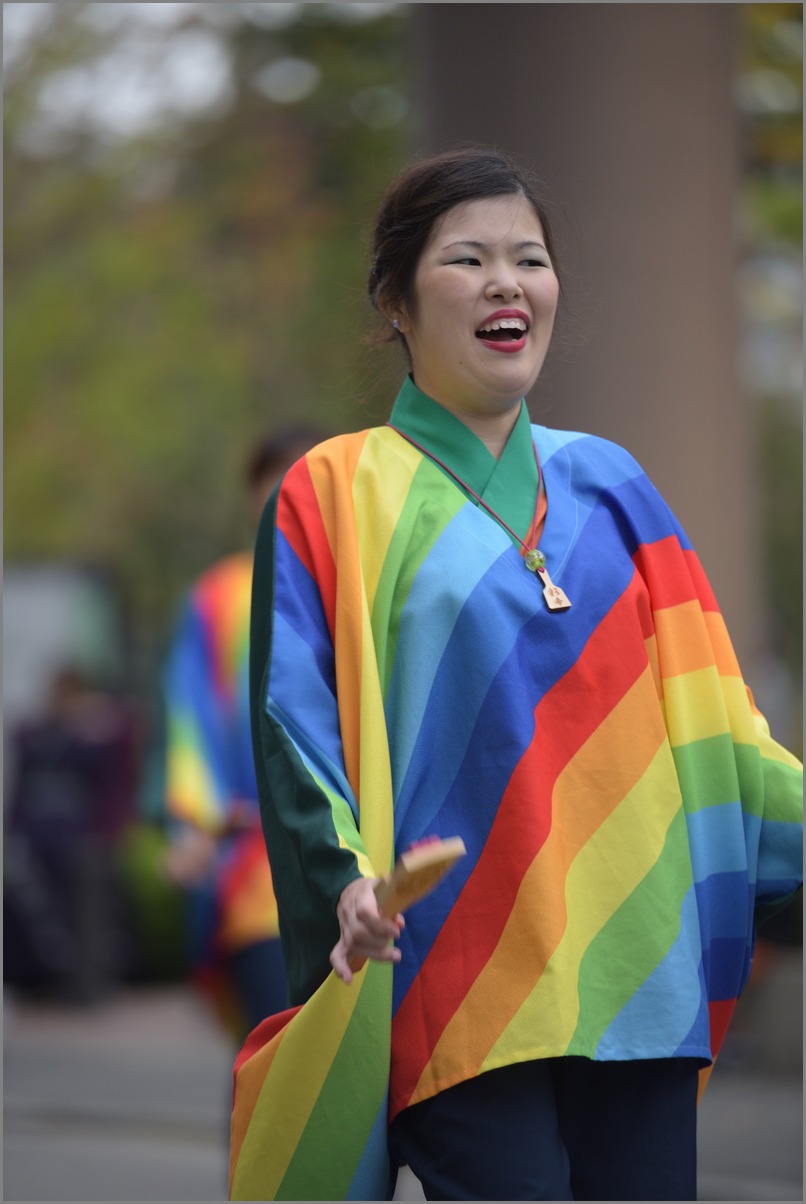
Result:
557,1129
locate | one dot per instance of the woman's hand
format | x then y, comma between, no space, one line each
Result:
365,932
189,860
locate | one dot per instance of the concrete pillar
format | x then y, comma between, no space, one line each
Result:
626,111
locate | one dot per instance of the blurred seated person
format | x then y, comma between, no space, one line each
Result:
72,797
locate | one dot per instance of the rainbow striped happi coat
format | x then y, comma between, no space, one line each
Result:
626,813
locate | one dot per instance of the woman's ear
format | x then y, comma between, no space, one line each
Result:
396,318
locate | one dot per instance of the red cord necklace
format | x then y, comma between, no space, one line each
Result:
533,558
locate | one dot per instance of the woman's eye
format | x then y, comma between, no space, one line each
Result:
534,263
467,259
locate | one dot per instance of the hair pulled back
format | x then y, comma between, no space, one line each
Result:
420,195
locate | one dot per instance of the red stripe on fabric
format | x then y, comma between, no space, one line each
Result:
300,519
719,1012
260,1036
673,574
564,719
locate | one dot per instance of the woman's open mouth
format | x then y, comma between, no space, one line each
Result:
504,333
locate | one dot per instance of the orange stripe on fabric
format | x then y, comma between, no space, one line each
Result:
248,905
684,639
724,653
332,479
564,720
249,1074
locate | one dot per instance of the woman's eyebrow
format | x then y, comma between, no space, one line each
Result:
482,246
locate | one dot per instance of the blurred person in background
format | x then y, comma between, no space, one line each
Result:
467,624
72,800
216,851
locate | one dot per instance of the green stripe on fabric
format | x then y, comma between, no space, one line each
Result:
329,1150
782,784
715,770
416,533
644,927
345,824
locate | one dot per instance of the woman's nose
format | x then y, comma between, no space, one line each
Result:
503,284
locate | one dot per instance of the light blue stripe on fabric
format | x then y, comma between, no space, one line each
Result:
457,563
371,1179
668,1002
585,455
719,840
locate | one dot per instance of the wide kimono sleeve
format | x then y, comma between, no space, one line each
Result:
742,790
308,807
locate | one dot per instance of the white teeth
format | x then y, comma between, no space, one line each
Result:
505,324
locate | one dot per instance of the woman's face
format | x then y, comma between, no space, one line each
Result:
485,297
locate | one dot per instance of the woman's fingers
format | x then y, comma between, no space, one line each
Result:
365,931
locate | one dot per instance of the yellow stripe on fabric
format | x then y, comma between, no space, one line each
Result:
364,865
190,793
583,798
381,475
358,687
701,704
594,892
769,748
286,1097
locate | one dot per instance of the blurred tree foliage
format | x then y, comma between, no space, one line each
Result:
770,91
174,293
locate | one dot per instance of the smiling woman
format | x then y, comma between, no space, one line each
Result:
539,1026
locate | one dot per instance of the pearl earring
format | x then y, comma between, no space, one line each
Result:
396,324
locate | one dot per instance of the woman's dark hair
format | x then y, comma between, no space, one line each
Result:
421,195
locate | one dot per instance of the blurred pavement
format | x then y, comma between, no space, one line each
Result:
128,1100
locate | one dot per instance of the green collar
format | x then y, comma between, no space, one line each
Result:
508,485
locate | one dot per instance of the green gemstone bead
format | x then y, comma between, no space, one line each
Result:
534,560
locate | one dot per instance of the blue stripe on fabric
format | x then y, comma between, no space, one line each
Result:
725,905
191,703
307,707
579,466
726,964
777,842
297,599
668,1003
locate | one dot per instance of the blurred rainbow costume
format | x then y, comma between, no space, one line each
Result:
626,813
209,767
